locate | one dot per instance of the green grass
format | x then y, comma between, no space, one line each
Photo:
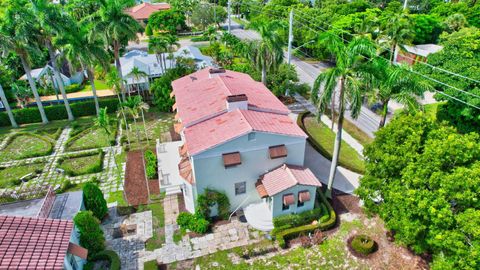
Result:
117,196
99,85
178,235
357,133
24,146
11,176
91,139
150,265
156,123
325,139
75,166
158,216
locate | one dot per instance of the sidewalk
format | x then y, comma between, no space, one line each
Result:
100,93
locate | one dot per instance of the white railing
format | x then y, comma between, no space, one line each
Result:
236,209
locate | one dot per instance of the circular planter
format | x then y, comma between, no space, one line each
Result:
361,245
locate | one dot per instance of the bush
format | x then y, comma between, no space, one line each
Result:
109,255
295,220
94,200
363,244
151,164
58,112
75,87
199,39
91,235
208,199
193,222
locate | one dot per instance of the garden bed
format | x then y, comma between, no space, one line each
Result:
85,163
10,176
23,145
89,138
158,223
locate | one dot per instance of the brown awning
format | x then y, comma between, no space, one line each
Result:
231,159
178,127
262,192
77,250
304,196
174,107
185,170
277,151
182,150
288,199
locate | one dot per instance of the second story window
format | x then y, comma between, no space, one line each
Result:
251,136
231,159
240,188
277,151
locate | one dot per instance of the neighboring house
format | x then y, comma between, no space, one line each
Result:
238,138
142,12
150,66
40,234
44,76
416,53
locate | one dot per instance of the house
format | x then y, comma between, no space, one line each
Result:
40,234
149,65
238,138
142,12
416,53
44,77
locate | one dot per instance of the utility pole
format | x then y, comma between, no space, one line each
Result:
290,38
229,14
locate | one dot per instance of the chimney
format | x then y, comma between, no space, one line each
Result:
237,102
215,72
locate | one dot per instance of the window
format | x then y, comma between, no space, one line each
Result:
285,207
288,199
240,188
251,136
300,203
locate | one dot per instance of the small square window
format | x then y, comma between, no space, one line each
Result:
285,207
300,203
240,188
251,136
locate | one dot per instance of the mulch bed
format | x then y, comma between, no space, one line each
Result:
175,136
135,186
154,187
181,203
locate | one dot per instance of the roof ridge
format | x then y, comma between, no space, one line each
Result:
290,173
224,84
246,119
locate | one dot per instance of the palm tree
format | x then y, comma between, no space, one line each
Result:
114,82
348,75
267,54
137,74
392,82
103,122
211,34
396,33
53,22
159,45
4,100
117,27
17,35
79,45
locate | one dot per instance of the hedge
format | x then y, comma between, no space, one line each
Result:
93,168
109,255
317,147
151,164
193,222
291,233
295,220
363,244
58,112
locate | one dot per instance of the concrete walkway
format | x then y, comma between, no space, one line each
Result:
100,93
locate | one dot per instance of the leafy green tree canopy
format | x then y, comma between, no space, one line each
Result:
94,200
166,20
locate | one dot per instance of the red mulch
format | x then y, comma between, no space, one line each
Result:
175,136
154,186
135,186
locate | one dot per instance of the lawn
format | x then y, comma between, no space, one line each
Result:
90,138
99,85
325,138
11,176
80,165
352,129
117,196
158,223
156,124
25,145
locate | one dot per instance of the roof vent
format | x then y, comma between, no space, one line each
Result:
237,102
215,72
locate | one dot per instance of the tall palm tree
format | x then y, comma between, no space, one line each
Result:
117,27
53,22
17,35
397,32
267,54
349,76
4,100
137,74
159,45
103,122
392,82
86,48
114,82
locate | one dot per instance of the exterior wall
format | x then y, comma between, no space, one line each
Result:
79,262
277,201
189,195
210,172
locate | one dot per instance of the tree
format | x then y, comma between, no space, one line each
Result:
4,101
21,93
422,178
397,83
137,74
91,235
207,14
167,21
114,82
267,54
396,32
159,45
53,23
117,28
348,75
94,200
18,35
427,28
455,22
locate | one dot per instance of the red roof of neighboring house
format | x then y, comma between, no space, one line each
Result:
287,176
200,97
234,124
144,10
33,243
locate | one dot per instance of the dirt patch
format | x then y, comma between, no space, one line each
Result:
181,203
154,187
135,186
345,203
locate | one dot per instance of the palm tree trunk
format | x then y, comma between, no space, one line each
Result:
383,120
33,87
338,141
118,65
333,110
91,78
392,56
56,74
264,74
53,85
7,107
145,127
124,118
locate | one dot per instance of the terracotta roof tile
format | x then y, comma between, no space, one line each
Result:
287,176
144,10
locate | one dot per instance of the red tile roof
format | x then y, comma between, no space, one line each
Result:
231,125
287,176
200,97
33,243
144,10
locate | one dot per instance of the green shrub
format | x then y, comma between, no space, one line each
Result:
150,265
184,219
94,167
363,244
66,185
208,199
295,220
58,112
193,222
94,200
151,164
199,38
109,255
74,87
91,235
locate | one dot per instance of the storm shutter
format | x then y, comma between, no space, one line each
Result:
231,159
277,151
304,196
288,199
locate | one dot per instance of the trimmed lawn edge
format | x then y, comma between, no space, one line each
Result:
92,168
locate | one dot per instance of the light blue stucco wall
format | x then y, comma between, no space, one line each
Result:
74,238
210,172
277,201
